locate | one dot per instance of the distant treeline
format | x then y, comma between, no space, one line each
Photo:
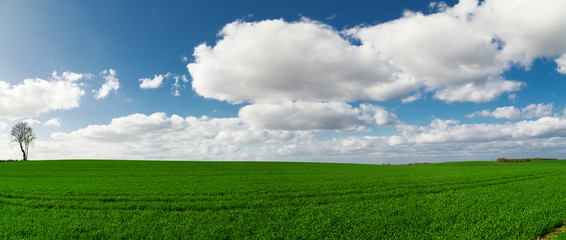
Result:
9,160
514,160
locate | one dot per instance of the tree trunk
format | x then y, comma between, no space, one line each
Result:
23,152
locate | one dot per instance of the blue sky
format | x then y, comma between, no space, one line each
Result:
356,81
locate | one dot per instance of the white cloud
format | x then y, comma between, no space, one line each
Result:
447,140
384,118
304,60
31,122
478,91
512,97
250,136
111,84
561,64
511,112
69,76
537,110
180,81
148,83
158,127
442,48
159,136
528,29
302,115
35,96
381,116
459,52
3,125
53,122
411,98
439,6
541,128
157,81
130,128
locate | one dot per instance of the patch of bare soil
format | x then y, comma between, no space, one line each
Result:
551,235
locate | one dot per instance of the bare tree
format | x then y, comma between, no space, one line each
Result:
23,134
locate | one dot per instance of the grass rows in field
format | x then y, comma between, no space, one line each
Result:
118,200
237,200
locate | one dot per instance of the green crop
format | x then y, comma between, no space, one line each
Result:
269,200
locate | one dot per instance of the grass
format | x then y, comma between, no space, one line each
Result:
259,200
556,234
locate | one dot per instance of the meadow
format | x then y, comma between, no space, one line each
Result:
103,199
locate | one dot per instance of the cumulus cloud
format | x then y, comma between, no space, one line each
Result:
450,140
70,76
157,81
111,84
148,83
442,48
31,122
304,60
477,91
302,115
511,112
128,128
158,136
3,125
452,132
180,81
157,127
458,52
35,96
512,97
249,136
561,64
528,29
381,116
56,122
411,98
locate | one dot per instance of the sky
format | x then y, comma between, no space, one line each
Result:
374,82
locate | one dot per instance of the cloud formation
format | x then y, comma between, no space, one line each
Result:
31,122
302,115
381,116
527,29
111,84
561,64
180,82
304,60
511,112
458,53
56,122
478,92
35,96
158,136
148,83
157,81
447,131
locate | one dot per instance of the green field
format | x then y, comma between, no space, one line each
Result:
235,200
